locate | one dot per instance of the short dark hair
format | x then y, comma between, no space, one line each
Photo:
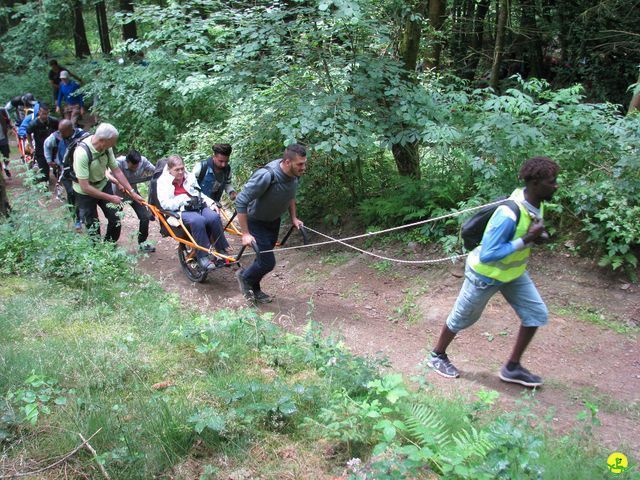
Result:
537,168
222,149
134,157
294,150
53,62
44,106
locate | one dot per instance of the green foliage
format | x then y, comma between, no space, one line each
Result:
26,246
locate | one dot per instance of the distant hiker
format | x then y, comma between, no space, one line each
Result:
136,167
55,146
91,158
5,125
54,77
269,192
73,100
39,129
214,173
499,264
18,106
177,193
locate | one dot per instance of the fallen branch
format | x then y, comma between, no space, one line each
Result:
88,446
54,464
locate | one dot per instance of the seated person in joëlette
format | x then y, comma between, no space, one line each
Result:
177,192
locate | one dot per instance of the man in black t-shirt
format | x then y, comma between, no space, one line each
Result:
40,128
54,77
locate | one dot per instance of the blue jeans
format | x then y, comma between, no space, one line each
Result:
521,294
204,227
266,235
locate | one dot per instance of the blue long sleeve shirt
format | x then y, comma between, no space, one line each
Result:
67,94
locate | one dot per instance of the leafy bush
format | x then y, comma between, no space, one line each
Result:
38,238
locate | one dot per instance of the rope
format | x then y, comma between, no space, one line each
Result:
379,232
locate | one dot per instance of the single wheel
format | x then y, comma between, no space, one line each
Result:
190,265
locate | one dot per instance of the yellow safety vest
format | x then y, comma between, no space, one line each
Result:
512,266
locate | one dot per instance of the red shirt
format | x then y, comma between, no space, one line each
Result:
179,188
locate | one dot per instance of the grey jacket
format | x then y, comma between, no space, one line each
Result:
264,200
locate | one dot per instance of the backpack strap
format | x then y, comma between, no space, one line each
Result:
272,174
87,150
204,165
515,208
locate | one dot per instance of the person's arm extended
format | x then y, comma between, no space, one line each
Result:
122,180
294,218
247,238
92,191
49,146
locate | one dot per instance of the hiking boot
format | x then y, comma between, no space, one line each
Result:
146,248
205,263
442,366
520,375
245,288
261,297
7,172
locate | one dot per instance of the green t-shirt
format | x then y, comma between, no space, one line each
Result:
101,161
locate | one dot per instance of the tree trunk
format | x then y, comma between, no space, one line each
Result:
103,27
531,41
634,105
436,20
79,33
129,31
4,201
499,45
407,156
477,38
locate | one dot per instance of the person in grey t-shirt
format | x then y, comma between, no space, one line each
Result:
136,167
270,192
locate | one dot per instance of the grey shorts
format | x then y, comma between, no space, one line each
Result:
521,294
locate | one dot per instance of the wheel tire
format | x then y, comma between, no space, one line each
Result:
190,265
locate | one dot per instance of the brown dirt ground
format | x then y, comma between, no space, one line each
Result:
398,311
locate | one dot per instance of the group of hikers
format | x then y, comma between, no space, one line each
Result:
102,180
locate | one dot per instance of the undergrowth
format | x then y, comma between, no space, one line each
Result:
165,385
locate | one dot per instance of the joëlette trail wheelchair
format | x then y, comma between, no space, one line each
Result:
187,246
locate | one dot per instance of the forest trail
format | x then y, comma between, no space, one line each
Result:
397,311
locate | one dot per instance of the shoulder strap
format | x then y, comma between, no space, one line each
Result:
515,208
271,173
204,165
87,150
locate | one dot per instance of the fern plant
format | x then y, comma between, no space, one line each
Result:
453,455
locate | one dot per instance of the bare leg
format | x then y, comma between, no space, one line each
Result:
446,337
525,334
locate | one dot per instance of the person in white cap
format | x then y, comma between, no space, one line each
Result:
74,102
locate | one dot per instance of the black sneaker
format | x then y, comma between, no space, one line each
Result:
520,375
7,173
442,366
261,297
147,248
245,288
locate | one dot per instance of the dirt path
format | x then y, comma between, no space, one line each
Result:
398,311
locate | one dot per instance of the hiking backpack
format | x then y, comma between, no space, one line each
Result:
473,229
67,161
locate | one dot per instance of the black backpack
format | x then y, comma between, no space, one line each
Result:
67,161
473,229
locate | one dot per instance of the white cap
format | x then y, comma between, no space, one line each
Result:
64,74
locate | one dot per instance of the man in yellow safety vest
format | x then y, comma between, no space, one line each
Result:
499,264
